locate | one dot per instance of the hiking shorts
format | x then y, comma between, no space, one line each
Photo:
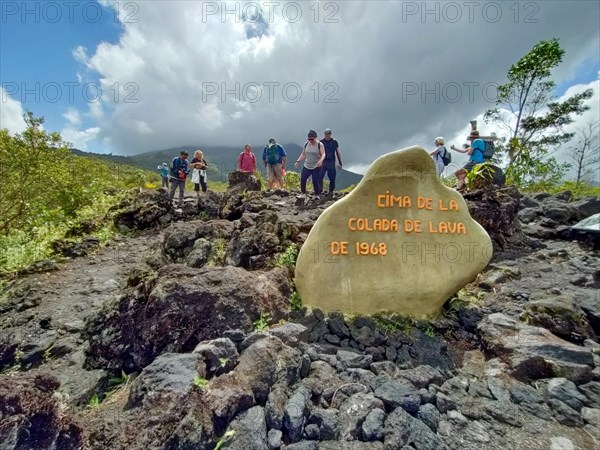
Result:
469,166
275,174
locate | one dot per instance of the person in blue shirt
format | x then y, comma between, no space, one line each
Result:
164,174
475,152
180,169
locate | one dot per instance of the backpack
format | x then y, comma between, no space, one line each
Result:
178,165
273,154
446,157
319,144
489,150
252,157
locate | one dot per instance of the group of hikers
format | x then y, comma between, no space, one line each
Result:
478,151
176,175
321,157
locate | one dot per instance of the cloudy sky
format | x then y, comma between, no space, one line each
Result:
130,77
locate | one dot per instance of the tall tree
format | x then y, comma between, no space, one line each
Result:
527,109
585,154
27,162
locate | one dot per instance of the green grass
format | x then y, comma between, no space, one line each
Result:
463,300
287,258
579,190
263,322
217,186
224,439
94,402
218,253
200,382
295,302
449,181
21,248
348,189
394,323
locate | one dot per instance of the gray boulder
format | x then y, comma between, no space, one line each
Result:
353,412
169,376
560,316
372,427
180,307
533,352
587,207
243,181
296,413
399,394
143,210
199,254
249,431
220,355
401,429
566,391
327,421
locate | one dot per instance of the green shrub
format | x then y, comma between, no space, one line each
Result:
47,192
218,253
295,302
263,322
287,258
292,181
579,190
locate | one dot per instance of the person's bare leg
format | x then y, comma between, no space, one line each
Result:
461,175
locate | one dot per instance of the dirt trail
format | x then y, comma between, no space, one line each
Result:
52,307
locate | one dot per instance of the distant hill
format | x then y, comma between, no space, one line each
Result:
221,161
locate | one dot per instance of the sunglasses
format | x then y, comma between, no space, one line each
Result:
311,139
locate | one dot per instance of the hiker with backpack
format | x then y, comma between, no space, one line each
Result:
441,156
179,171
246,161
274,157
476,156
164,174
313,155
332,150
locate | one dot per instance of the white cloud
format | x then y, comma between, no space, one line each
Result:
142,127
72,116
80,54
11,113
193,78
79,138
96,111
590,116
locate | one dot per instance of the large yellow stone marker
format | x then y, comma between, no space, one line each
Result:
400,242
